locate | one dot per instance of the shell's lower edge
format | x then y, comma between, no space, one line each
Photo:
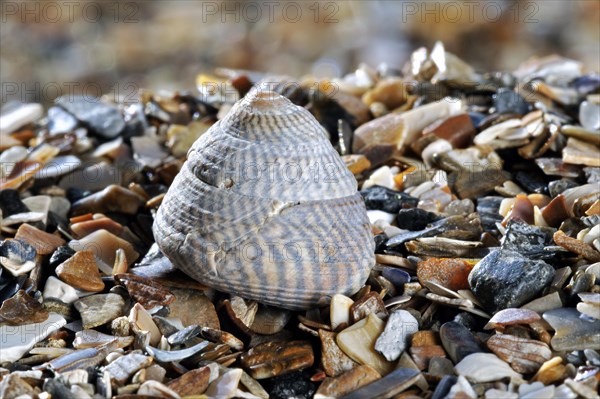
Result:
278,281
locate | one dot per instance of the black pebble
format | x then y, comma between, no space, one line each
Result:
380,240
10,203
415,219
532,181
387,200
468,320
11,285
60,255
293,385
75,194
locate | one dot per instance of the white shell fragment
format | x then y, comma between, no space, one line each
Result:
55,288
484,367
20,339
21,116
265,208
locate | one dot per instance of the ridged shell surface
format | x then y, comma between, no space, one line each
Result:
264,208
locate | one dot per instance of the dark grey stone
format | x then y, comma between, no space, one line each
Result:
458,341
57,389
574,331
528,240
103,118
507,279
396,276
387,200
414,219
469,321
556,187
509,101
164,325
444,386
487,208
10,203
182,336
583,283
60,255
533,181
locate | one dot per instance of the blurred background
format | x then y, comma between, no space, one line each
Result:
52,48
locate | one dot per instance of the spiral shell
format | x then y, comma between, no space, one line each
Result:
264,208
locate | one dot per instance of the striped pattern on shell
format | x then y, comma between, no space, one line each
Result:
264,208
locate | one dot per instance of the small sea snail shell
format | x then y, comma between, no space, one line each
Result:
264,208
